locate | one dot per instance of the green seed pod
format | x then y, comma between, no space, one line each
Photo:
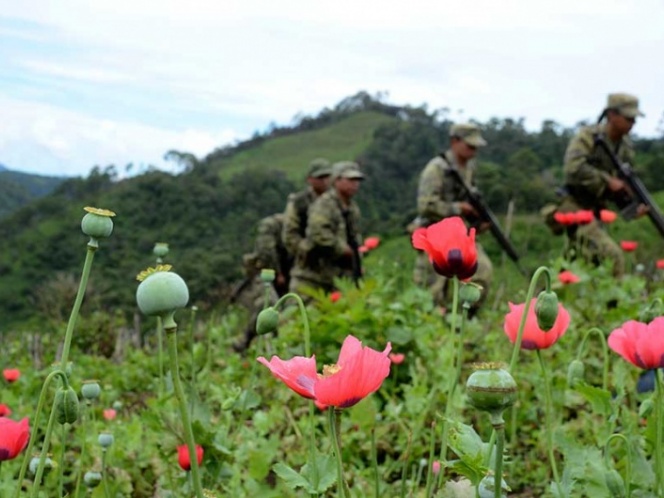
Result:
267,321
90,389
546,310
267,275
92,479
491,389
66,405
160,249
470,293
575,373
646,408
615,483
162,292
97,223
34,465
105,439
117,405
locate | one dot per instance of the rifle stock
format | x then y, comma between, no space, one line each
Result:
639,191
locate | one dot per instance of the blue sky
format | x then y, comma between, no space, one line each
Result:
112,82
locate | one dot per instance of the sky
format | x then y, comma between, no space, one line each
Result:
85,83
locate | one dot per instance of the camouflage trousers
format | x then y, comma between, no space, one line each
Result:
425,276
593,243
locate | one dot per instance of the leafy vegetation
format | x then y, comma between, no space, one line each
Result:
18,189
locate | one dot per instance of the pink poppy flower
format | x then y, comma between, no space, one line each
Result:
185,460
628,245
371,243
5,411
565,218
533,336
607,216
11,375
109,414
639,343
660,264
567,277
584,216
335,296
397,358
13,437
298,373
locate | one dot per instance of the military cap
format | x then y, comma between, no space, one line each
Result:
347,169
469,133
625,104
319,168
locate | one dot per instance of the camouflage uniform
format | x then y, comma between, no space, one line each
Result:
269,252
587,170
297,207
438,197
331,228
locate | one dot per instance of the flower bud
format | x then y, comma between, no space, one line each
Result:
160,249
546,310
117,405
92,479
34,465
470,293
268,275
162,292
66,405
105,439
90,389
97,223
615,483
267,321
575,373
646,408
491,388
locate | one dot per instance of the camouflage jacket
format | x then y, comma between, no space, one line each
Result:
438,193
269,250
295,218
320,255
588,168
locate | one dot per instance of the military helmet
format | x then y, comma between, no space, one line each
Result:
469,133
625,104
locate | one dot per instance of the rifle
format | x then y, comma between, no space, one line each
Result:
485,214
639,193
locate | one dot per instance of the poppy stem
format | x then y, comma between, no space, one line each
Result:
605,353
84,446
44,452
374,462
171,328
104,477
335,423
658,431
193,360
432,442
549,423
160,355
61,470
499,428
628,460
454,381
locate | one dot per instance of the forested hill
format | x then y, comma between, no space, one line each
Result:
18,189
207,212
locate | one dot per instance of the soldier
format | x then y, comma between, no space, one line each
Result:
330,247
591,180
295,220
269,252
440,195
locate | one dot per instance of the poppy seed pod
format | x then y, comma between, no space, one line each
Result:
90,389
34,464
470,293
162,292
491,389
92,479
268,275
97,223
267,321
575,373
160,249
66,405
546,310
105,439
615,483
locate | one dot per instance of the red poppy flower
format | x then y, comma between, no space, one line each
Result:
110,414
607,216
298,373
584,216
565,218
567,277
450,246
11,374
183,456
397,358
639,343
371,243
533,336
335,296
660,264
359,371
628,245
13,437
4,410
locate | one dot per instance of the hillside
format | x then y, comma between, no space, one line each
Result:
18,189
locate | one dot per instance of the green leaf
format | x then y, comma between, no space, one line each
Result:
291,477
398,335
599,399
327,473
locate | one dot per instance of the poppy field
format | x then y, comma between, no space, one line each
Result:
371,391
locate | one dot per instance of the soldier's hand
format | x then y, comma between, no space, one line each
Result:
615,184
467,209
642,210
484,226
348,252
280,279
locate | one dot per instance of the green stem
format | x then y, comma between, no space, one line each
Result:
658,432
432,444
193,360
605,353
334,417
499,428
81,459
451,389
35,425
160,355
89,256
104,478
374,462
305,319
628,459
549,423
61,470
182,404
44,452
